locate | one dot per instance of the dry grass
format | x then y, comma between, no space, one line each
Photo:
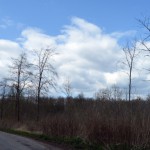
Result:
101,122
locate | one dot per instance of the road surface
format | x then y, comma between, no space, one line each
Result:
15,142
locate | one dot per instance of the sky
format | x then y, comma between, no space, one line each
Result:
88,35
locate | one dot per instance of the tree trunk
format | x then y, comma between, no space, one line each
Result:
38,107
2,105
18,100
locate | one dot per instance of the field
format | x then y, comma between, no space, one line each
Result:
92,124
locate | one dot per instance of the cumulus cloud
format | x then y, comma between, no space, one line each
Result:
34,38
8,49
87,55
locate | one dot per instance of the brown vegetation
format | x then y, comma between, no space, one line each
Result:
102,122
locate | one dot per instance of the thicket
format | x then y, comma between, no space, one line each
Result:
107,123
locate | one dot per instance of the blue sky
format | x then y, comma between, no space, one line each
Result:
52,15
88,34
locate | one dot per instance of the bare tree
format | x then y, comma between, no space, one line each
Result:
116,92
146,24
145,41
103,94
130,52
44,73
67,88
19,79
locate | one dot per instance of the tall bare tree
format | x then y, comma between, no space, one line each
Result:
44,73
130,52
20,75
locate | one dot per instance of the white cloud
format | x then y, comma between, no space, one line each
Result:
8,49
6,22
119,35
115,77
87,55
33,38
87,52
